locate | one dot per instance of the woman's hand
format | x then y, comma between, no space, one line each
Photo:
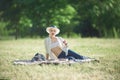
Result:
65,42
47,56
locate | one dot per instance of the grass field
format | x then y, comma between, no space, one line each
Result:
106,50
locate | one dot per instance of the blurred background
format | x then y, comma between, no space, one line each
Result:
75,18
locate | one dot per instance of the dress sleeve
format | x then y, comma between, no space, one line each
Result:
61,39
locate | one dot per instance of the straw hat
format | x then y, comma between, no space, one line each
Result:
54,27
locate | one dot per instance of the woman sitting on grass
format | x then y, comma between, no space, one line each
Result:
56,47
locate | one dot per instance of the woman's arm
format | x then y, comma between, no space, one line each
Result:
46,48
64,41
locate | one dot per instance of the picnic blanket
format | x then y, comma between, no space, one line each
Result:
40,59
56,62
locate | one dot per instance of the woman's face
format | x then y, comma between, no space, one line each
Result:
52,32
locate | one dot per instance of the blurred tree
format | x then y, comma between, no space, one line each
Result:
10,12
98,16
35,14
108,19
85,16
3,30
89,18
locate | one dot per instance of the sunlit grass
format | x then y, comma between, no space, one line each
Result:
107,50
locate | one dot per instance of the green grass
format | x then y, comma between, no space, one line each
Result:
107,50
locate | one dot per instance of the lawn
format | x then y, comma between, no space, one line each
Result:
106,50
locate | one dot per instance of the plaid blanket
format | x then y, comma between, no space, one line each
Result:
60,61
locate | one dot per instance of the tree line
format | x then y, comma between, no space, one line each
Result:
84,18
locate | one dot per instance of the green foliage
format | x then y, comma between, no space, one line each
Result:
101,16
64,15
24,21
3,30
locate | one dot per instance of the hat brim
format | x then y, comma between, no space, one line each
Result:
57,30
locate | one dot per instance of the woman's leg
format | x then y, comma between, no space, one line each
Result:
62,55
75,55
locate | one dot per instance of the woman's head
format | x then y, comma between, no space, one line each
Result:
52,30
